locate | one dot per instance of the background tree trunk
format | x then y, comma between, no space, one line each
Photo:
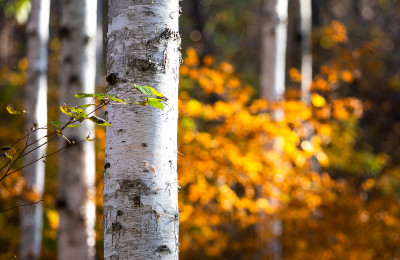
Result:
75,202
36,106
272,87
141,214
273,49
306,52
293,46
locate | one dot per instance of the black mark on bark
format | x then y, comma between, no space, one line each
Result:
129,185
74,80
144,145
61,203
68,59
86,40
112,78
64,32
163,250
107,165
136,201
166,34
116,227
143,65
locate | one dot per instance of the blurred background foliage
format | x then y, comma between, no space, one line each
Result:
335,192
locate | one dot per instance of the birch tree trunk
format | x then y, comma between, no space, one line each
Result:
141,214
273,49
36,105
272,88
75,201
306,51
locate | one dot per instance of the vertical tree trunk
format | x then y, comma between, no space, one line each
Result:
141,214
306,53
272,88
273,49
294,44
36,105
75,201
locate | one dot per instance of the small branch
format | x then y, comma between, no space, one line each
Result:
22,205
41,158
7,189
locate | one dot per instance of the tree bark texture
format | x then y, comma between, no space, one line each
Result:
76,192
273,49
141,216
36,106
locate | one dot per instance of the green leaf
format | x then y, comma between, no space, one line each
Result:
148,91
12,111
100,96
57,123
74,125
78,113
155,102
83,95
99,121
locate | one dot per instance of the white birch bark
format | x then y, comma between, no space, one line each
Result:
272,88
36,106
306,55
141,214
75,198
273,49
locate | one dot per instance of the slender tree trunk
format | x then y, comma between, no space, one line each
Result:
272,88
141,214
306,52
294,44
36,105
75,201
273,49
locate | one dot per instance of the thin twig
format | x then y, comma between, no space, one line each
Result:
42,157
22,205
7,189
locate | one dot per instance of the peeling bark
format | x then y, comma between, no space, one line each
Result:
36,106
141,216
76,191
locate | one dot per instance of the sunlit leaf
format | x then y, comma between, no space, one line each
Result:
12,111
148,91
83,95
155,102
66,110
112,97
